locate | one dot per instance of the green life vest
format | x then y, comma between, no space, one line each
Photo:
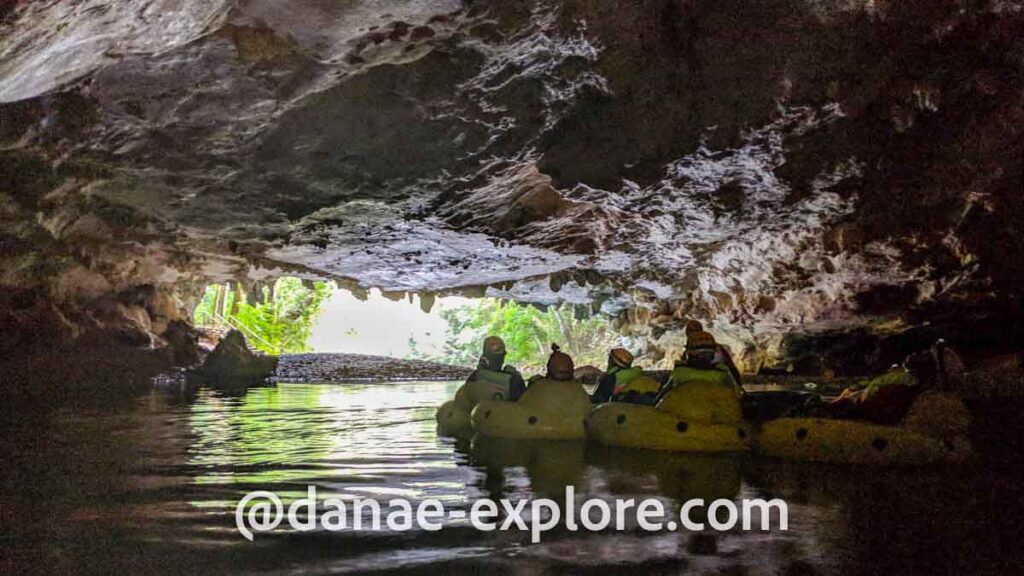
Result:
498,384
702,395
623,376
891,378
719,374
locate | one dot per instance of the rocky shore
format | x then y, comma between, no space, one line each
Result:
357,367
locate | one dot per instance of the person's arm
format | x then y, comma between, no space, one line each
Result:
605,389
730,365
516,387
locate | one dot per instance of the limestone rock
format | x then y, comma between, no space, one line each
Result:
445,146
998,376
183,343
233,366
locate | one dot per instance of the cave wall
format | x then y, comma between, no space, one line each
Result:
798,175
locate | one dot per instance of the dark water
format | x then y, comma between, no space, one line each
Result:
151,489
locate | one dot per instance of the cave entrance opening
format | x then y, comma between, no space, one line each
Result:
290,315
275,317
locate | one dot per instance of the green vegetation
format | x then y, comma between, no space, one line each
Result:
528,333
280,324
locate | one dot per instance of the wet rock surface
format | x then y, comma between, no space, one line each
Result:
232,365
787,172
358,367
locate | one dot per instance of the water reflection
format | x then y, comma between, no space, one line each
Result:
152,490
678,476
368,440
519,468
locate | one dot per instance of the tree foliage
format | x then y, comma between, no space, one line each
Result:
528,333
281,323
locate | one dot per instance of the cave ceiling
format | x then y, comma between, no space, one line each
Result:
781,164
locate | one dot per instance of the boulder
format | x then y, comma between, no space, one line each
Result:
233,366
183,343
999,376
129,324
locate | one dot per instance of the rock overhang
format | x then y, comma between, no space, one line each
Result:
644,161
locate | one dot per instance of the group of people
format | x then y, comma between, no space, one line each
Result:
883,400
703,360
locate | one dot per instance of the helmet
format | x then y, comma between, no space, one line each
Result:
494,345
621,357
694,326
560,366
494,353
922,366
699,339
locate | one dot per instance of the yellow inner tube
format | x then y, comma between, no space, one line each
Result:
552,465
636,426
851,441
549,409
476,391
694,416
708,402
452,418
